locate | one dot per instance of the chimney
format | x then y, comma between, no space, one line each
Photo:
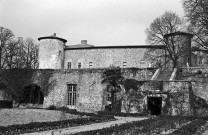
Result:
83,42
54,34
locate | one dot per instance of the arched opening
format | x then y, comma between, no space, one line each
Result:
32,94
154,105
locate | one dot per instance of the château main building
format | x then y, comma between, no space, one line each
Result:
55,54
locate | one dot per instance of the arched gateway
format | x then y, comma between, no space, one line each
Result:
32,94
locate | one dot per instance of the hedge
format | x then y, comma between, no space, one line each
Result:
121,114
6,104
74,111
153,126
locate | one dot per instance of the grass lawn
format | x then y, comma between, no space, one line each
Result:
24,116
20,121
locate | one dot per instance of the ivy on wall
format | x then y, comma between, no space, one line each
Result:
13,81
44,80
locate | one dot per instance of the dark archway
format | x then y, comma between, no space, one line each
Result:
154,105
32,94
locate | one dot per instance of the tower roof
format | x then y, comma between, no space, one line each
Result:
178,33
53,37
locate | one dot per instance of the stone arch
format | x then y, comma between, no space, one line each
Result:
32,94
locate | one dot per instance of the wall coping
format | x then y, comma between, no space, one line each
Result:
118,47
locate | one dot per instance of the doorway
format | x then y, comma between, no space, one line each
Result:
32,94
154,105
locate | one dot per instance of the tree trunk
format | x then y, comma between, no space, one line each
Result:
112,100
175,64
191,100
38,95
0,57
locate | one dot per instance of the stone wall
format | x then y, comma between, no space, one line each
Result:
177,101
175,98
91,95
104,57
199,78
90,92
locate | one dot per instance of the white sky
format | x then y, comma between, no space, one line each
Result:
101,22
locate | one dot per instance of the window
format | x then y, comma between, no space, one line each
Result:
79,65
142,64
109,97
124,64
69,65
90,64
72,89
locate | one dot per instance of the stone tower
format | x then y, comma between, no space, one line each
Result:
51,52
182,47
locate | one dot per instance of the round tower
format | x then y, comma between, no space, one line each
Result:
51,52
180,43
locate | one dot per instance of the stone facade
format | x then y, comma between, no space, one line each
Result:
103,57
51,53
71,76
180,45
54,54
90,92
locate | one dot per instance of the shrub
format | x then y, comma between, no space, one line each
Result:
51,107
122,114
66,109
6,104
199,72
190,128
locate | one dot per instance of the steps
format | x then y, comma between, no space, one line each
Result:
164,75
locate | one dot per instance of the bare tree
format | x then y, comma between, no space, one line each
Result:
5,36
19,58
17,52
169,22
197,15
11,50
31,53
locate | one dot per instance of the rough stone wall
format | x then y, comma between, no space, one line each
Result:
103,58
90,92
175,102
199,78
51,54
182,48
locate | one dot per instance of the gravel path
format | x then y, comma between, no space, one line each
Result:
23,116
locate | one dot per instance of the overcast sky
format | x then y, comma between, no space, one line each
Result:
101,22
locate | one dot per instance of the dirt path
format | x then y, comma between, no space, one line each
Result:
95,126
